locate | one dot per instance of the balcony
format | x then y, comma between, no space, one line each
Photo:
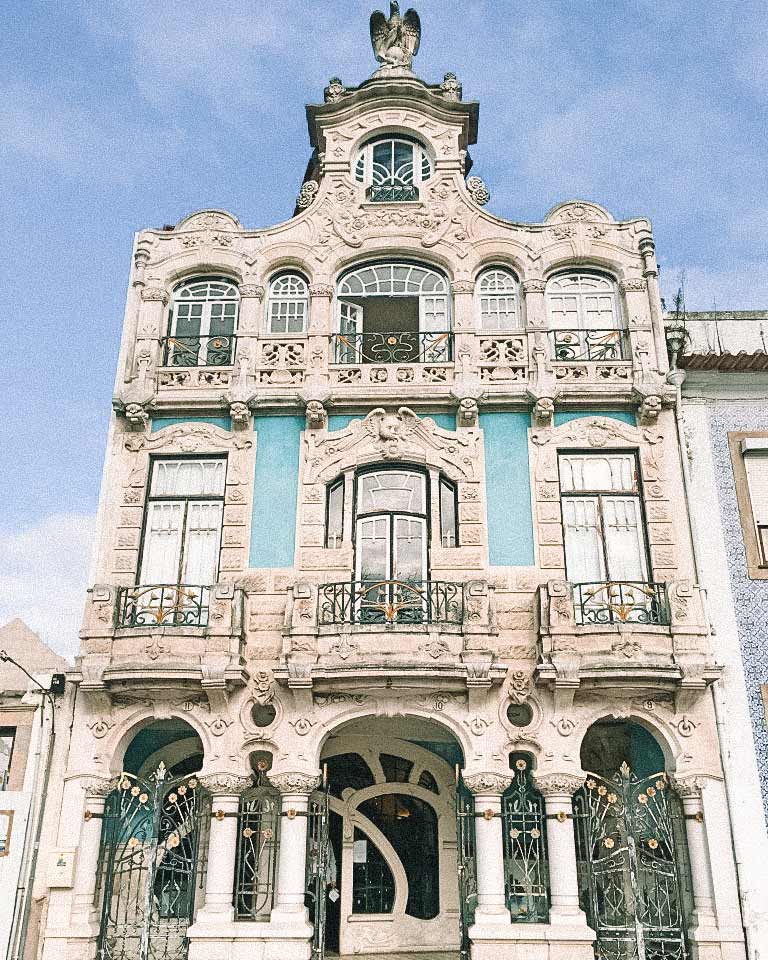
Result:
162,605
593,356
621,601
216,351
390,602
404,346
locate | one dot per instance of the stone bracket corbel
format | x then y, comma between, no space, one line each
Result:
241,396
300,684
136,399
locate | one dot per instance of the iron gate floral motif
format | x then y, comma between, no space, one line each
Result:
258,836
630,867
148,866
319,871
526,877
465,863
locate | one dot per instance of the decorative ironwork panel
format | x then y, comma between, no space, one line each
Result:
466,870
395,193
572,345
391,601
218,351
526,874
258,837
630,867
148,867
318,869
621,601
163,605
404,346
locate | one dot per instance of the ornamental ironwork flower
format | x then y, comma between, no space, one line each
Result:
612,798
267,834
173,840
514,833
591,784
182,790
248,832
653,843
651,791
608,843
143,797
660,784
602,790
133,842
642,798
135,791
125,784
521,764
192,783
172,798
535,833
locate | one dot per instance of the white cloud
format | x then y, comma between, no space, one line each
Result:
43,574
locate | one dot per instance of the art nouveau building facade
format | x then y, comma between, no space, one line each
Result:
395,641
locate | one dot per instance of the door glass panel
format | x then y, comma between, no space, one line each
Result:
373,549
410,550
201,556
162,543
373,886
624,540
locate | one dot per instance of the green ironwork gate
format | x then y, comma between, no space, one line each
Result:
319,868
465,863
148,866
631,865
526,874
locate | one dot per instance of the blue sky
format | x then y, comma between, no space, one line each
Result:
122,115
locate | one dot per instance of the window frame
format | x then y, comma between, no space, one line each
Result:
271,298
205,319
497,295
186,499
5,775
600,494
421,155
443,481
581,325
338,483
757,564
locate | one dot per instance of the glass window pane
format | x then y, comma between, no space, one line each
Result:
7,735
624,539
410,550
583,547
373,549
162,542
448,525
201,553
335,531
188,478
598,472
391,490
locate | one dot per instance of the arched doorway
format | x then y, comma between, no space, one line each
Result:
152,832
392,790
634,875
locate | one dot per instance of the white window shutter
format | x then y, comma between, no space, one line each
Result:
584,562
756,465
162,543
624,539
201,552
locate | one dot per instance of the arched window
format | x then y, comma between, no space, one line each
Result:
584,317
392,168
497,299
288,304
393,313
202,323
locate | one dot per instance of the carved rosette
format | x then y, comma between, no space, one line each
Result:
321,291
225,784
534,285
478,191
632,285
487,784
154,293
251,290
289,783
557,784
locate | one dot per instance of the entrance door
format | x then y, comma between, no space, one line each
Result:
148,866
397,870
630,866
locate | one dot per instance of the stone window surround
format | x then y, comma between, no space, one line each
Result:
756,568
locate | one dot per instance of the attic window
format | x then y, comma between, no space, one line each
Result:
392,168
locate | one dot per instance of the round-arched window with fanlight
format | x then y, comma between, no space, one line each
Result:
392,167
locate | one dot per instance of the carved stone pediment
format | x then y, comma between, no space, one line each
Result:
392,435
189,438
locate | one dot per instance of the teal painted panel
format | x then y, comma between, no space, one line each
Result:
508,488
624,415
338,422
159,422
275,491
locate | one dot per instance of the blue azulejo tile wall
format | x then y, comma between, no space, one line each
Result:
275,490
159,422
565,416
508,488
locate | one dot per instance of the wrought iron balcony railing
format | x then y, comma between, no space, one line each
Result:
621,601
218,351
603,345
393,193
163,605
391,602
397,347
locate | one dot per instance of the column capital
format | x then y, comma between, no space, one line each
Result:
557,784
321,290
251,290
225,784
633,285
487,783
98,788
288,783
534,285
688,787
154,293
463,286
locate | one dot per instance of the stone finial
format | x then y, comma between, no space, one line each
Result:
450,87
334,91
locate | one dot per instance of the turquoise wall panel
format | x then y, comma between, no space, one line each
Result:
624,415
159,422
275,490
338,422
508,488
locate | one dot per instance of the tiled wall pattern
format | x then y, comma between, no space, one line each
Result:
750,596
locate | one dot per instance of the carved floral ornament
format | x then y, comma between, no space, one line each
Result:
294,783
189,438
557,784
225,784
392,435
487,784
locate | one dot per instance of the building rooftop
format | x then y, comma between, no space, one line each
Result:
24,645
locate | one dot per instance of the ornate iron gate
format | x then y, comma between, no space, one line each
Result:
631,867
465,863
319,873
148,866
526,874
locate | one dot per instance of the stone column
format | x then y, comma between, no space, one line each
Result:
557,790
319,333
689,791
289,909
487,789
150,327
84,911
540,353
225,790
249,323
651,275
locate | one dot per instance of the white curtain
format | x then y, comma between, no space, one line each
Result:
584,561
162,543
624,539
201,549
188,478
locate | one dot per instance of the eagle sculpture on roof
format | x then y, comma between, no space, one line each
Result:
395,40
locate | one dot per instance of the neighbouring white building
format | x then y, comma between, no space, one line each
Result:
395,640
